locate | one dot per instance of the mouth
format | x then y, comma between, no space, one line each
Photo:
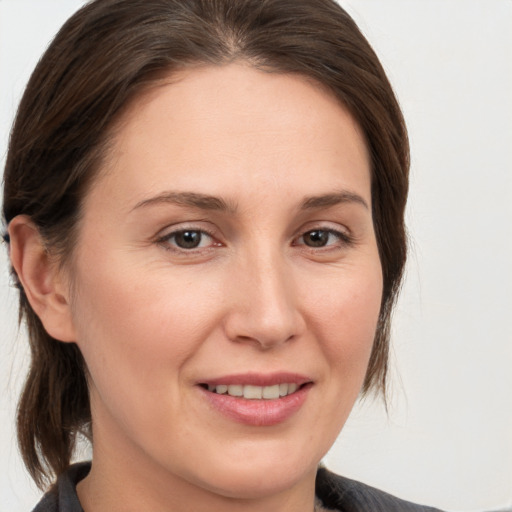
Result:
257,399
252,392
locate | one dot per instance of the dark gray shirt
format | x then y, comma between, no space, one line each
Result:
333,491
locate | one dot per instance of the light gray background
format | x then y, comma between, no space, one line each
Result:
448,438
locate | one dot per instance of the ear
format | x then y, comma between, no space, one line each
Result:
42,279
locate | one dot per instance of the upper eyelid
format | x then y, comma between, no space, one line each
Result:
344,237
166,235
333,227
185,226
177,231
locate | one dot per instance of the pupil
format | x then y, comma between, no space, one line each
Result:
188,239
316,238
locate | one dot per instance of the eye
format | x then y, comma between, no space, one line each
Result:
187,239
316,238
323,238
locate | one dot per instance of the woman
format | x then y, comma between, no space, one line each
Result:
204,203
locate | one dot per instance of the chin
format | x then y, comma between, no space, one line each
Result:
251,482
259,470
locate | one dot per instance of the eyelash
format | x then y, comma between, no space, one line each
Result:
344,239
168,241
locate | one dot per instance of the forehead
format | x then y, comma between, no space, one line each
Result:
212,127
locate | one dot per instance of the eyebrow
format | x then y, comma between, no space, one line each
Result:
214,203
192,199
328,200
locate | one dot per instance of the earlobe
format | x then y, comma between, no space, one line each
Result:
41,278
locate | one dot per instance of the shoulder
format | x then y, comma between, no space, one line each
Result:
344,494
62,496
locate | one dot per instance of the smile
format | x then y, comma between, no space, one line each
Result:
257,399
251,392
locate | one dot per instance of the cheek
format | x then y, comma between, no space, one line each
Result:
137,331
345,311
132,323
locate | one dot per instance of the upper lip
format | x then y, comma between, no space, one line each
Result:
258,379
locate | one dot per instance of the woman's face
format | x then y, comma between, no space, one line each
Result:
227,246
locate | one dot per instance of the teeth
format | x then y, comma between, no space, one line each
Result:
236,390
255,392
271,392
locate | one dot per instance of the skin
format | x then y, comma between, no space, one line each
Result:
153,319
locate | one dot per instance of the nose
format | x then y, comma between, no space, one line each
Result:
264,309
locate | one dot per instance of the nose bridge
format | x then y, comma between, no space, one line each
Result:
265,310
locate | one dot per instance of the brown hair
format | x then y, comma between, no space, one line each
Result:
102,58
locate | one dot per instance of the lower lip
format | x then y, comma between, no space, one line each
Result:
258,413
